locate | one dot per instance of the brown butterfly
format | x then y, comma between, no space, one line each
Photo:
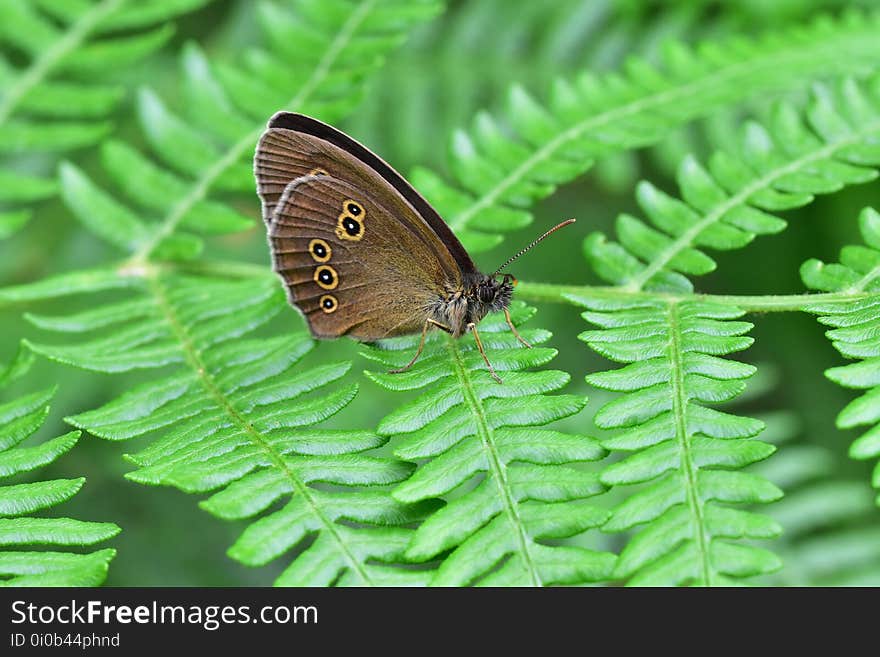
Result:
360,251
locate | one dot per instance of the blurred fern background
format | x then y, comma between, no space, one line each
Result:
449,66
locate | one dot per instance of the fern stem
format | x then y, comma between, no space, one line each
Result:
203,184
686,239
726,77
555,293
497,468
198,365
43,65
866,280
688,469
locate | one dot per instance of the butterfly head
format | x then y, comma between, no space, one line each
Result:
493,293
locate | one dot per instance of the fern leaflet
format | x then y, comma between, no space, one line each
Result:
498,176
511,487
319,55
829,536
233,416
855,332
725,206
56,102
688,455
19,528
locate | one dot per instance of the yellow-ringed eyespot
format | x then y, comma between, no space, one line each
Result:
328,303
349,227
318,172
325,277
353,208
320,250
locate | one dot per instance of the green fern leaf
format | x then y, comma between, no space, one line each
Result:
687,455
510,486
56,101
234,418
856,327
828,536
500,174
20,419
728,204
318,58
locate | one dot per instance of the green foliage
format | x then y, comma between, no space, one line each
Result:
460,483
856,327
831,536
499,176
226,420
20,500
511,488
57,99
726,206
687,454
318,58
236,416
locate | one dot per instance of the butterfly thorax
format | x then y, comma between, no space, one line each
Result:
469,302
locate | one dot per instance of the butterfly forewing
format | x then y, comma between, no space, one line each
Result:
295,145
352,265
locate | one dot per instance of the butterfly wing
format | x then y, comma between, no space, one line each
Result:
295,145
351,264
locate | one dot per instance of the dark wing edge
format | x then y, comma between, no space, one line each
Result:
315,128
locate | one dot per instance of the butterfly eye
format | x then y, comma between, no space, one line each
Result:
353,208
328,303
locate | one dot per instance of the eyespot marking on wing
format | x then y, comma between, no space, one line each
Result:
326,277
351,221
320,250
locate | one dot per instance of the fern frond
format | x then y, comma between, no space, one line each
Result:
856,331
687,455
234,415
511,487
19,527
318,58
727,204
56,101
499,175
829,523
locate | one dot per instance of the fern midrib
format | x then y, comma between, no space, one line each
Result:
556,293
202,184
497,468
545,152
685,240
679,409
198,365
42,66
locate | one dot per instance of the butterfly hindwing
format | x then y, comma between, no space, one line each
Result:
349,264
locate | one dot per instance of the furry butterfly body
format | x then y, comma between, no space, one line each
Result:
359,250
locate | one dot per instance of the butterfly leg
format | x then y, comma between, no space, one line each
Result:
473,328
428,323
513,328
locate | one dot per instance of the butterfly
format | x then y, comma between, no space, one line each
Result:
359,250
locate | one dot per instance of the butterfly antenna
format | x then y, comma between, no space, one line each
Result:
547,234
